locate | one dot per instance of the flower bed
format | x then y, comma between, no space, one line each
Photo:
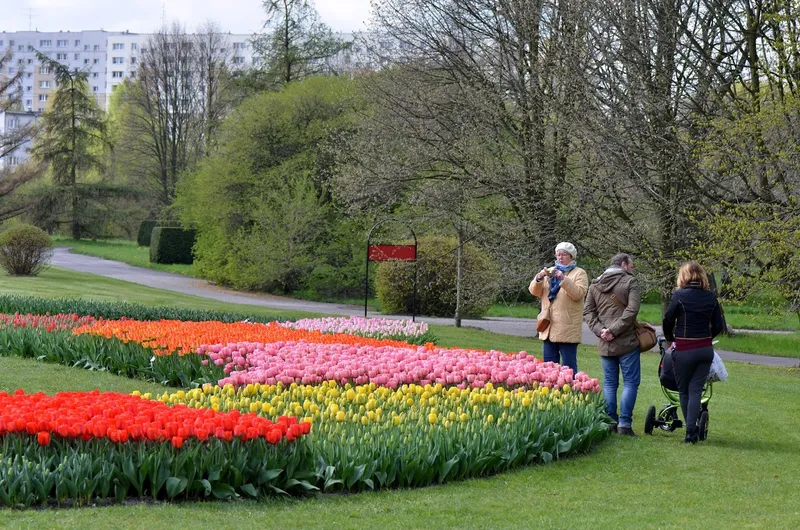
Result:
174,336
367,436
390,366
45,322
381,328
81,446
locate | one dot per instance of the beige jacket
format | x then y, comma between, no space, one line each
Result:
566,310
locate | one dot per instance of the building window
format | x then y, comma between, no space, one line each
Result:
133,60
77,43
95,75
44,84
28,103
62,43
12,70
134,46
11,43
44,70
117,60
86,47
238,60
1,43
94,89
96,47
30,61
28,88
13,123
95,61
86,61
116,74
118,46
45,43
238,45
42,97
77,56
61,57
29,75
21,48
133,74
12,160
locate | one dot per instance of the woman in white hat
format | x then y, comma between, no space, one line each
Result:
562,289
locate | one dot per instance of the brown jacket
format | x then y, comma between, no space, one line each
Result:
601,311
566,308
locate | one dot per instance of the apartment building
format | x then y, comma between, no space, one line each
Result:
84,50
11,121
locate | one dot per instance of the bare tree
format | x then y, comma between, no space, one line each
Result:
163,124
213,61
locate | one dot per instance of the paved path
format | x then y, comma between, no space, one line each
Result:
523,327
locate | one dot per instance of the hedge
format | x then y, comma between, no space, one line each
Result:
172,245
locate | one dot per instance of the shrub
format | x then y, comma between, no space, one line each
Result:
394,283
171,245
25,250
145,231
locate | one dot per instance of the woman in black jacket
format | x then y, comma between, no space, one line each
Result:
694,317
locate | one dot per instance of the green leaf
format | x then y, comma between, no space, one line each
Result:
249,489
223,491
175,486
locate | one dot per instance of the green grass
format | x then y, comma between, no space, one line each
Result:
778,344
121,250
61,283
744,476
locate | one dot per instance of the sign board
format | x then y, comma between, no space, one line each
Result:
392,253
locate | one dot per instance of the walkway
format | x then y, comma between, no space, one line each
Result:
523,327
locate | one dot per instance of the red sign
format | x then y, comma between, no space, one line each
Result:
392,252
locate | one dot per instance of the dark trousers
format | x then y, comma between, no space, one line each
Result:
691,370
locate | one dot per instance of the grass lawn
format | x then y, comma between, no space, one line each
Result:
62,283
744,476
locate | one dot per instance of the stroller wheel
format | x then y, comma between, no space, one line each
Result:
702,425
668,418
650,420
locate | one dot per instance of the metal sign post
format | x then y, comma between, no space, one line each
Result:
391,253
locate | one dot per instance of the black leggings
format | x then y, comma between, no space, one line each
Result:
691,370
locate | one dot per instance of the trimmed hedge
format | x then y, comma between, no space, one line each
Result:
172,245
11,304
145,231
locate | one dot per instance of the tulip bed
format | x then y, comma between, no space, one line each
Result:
82,446
356,404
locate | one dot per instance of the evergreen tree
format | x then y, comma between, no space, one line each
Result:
72,137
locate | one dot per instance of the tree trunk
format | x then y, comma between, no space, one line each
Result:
459,275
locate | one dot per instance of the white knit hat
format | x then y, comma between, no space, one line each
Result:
568,247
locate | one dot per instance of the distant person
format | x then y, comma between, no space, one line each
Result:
611,308
693,319
562,289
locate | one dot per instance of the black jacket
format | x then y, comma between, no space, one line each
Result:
694,313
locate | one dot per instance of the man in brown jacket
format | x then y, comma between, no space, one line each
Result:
610,311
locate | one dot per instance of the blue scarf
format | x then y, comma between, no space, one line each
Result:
555,283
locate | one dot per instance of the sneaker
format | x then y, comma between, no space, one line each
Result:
692,436
612,427
625,431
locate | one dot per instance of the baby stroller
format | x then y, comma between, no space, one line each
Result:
667,419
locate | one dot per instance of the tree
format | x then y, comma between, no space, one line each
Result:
163,111
214,81
13,177
259,202
483,95
296,43
73,132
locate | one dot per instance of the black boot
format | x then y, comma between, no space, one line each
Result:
692,435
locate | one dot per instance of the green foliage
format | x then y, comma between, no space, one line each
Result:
394,282
172,245
127,359
260,203
82,472
115,310
145,231
24,250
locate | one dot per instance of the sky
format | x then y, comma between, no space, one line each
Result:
145,16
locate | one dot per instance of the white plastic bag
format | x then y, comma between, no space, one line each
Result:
718,371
